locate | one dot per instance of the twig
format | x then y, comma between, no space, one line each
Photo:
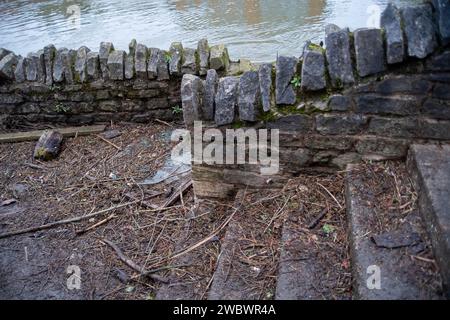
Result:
331,195
98,224
131,263
65,221
163,122
316,221
185,186
35,166
109,142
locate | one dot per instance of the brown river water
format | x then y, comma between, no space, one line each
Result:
253,29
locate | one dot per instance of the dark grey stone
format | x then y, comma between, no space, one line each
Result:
140,63
395,42
49,57
226,100
374,104
7,66
330,28
249,96
439,62
338,124
81,64
286,68
441,91
339,103
265,85
153,61
369,52
69,64
163,66
420,30
116,62
342,160
35,67
434,129
93,66
429,165
211,82
442,8
393,127
385,148
4,52
403,84
313,71
191,98
338,58
295,123
219,58
189,65
105,49
203,55
129,60
401,277
176,58
58,65
19,73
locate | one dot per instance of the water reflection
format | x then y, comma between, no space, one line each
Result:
255,29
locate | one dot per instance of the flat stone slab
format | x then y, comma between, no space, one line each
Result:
430,167
420,30
297,271
219,58
105,49
442,8
203,56
226,100
140,61
265,85
369,52
211,82
339,59
7,65
395,42
400,277
313,71
176,57
116,65
286,68
249,94
191,97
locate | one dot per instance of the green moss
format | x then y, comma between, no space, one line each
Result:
238,124
316,47
267,116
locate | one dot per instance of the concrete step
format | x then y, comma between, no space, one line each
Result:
429,166
390,249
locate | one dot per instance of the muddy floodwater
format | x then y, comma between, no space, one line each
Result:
254,29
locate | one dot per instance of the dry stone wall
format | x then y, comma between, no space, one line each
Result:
368,94
80,87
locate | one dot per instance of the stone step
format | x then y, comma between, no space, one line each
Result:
190,279
390,250
314,262
299,270
248,260
429,166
